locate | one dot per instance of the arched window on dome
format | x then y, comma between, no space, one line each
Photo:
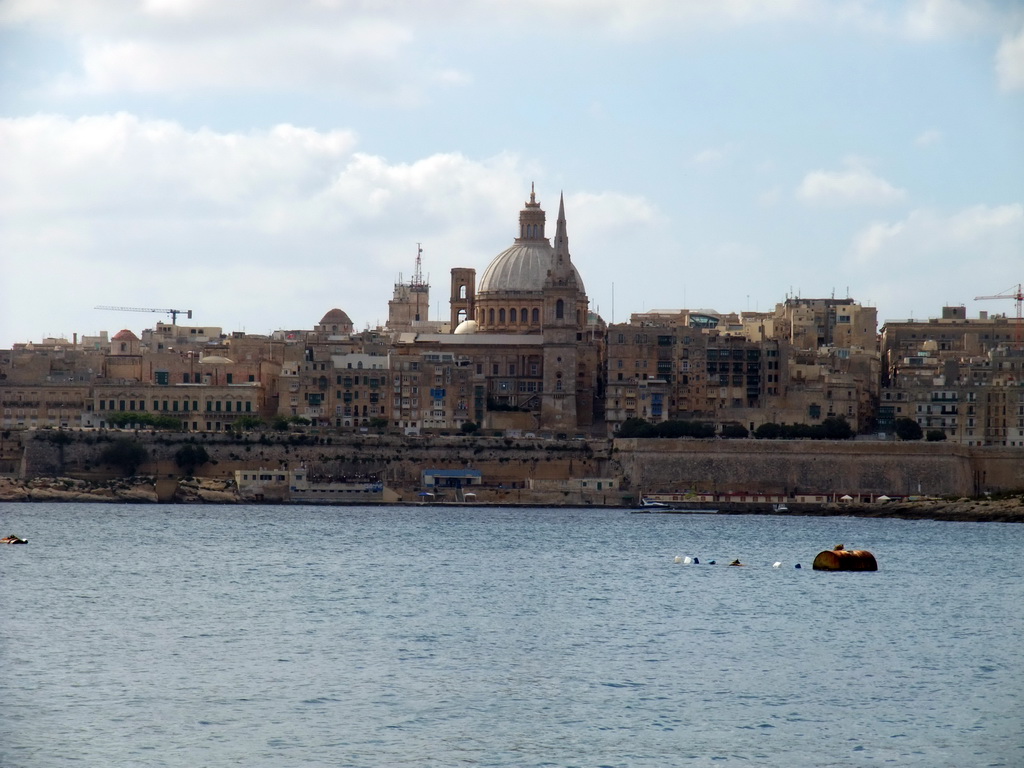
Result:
536,315
512,315
490,317
501,316
523,315
559,309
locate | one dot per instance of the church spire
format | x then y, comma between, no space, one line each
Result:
563,265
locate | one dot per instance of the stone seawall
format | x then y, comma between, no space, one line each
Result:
645,466
397,461
806,466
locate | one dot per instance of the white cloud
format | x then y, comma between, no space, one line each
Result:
709,156
378,49
857,185
264,229
931,19
979,237
1010,62
928,138
929,259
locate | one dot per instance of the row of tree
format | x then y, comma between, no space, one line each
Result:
832,428
128,455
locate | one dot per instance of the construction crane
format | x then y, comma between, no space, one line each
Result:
172,312
1017,294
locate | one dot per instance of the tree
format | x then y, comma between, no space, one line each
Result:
190,456
935,435
836,428
378,423
636,428
768,431
125,454
908,429
469,427
246,423
734,430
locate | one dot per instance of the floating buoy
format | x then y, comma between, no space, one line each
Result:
678,559
776,565
840,559
687,560
736,562
797,565
696,561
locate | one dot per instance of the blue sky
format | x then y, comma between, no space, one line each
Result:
262,161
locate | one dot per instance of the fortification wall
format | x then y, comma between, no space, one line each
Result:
789,466
398,461
647,466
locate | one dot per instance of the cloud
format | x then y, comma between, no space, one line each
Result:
264,229
929,259
979,234
710,156
855,186
932,19
1010,62
928,138
399,51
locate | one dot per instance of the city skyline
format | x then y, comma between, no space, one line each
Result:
260,163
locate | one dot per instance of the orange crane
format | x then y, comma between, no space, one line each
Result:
172,312
1017,294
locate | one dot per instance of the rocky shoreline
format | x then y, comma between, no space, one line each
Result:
213,491
129,490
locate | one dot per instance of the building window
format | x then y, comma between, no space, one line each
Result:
559,309
512,315
536,315
501,316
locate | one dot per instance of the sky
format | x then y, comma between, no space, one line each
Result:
260,162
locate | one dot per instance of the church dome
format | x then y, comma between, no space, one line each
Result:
125,335
467,326
524,266
336,317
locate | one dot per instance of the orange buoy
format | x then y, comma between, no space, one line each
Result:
840,559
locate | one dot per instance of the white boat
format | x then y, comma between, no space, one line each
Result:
649,503
780,508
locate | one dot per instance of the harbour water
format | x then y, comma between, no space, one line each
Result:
426,636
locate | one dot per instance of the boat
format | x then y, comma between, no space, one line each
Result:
648,503
13,540
780,508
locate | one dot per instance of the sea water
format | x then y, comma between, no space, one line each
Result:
152,635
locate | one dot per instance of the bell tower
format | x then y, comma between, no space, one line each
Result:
463,297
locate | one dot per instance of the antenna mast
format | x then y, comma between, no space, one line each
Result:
417,276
